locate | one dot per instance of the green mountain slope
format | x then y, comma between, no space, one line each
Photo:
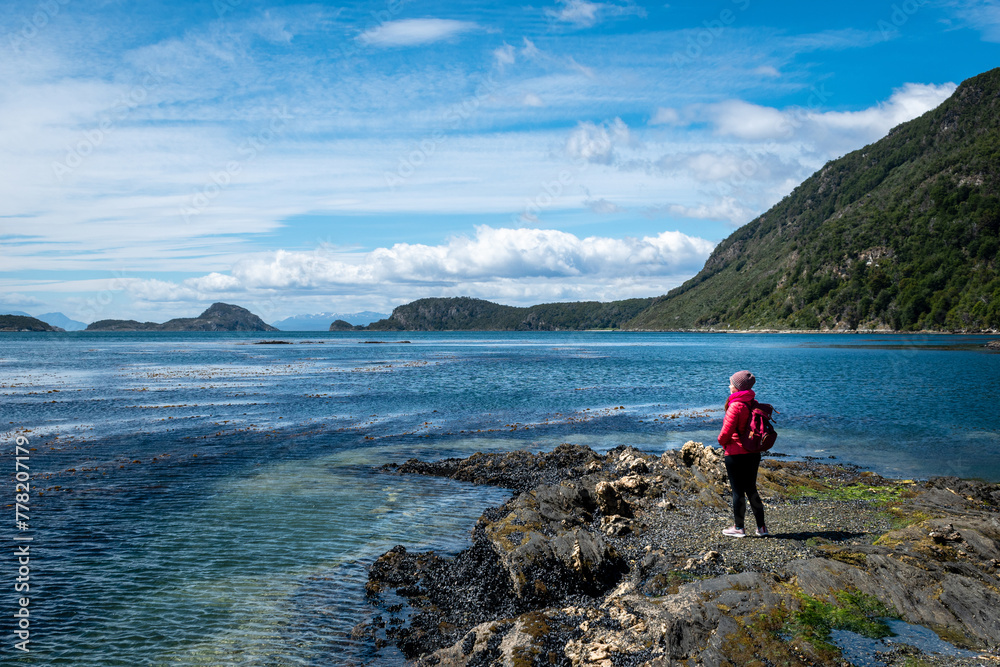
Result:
902,234
468,314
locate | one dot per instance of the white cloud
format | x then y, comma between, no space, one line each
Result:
703,166
596,143
493,254
835,40
906,103
412,32
981,15
577,12
532,100
733,164
761,153
17,299
749,121
582,69
665,116
529,50
833,131
724,208
504,55
272,28
603,206
583,14
767,70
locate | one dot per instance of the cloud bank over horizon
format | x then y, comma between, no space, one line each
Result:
528,264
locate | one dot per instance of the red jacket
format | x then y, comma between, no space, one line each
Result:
736,422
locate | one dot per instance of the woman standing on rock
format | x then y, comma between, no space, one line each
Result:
741,465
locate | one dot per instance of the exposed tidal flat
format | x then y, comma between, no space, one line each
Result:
201,500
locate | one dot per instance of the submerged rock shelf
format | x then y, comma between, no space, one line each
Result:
618,559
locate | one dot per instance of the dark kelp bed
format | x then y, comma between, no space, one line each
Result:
618,559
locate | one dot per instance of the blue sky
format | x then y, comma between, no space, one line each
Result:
311,157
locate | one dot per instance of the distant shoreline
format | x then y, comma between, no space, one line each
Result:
925,332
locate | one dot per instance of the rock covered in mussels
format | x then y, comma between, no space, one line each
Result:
518,470
547,544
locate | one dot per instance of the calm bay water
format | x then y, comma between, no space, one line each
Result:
201,500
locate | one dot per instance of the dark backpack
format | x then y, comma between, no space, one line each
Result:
761,434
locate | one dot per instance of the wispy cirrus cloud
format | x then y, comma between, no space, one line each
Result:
584,14
415,32
591,142
20,300
981,15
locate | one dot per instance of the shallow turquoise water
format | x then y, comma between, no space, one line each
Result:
207,501
864,652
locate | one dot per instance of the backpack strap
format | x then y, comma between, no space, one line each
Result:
750,407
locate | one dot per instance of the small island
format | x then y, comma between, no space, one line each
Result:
24,323
218,317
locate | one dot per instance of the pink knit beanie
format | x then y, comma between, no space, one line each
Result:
742,380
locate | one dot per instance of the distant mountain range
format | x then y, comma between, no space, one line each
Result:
322,321
218,317
63,322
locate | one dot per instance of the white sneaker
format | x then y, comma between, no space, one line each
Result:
733,531
762,532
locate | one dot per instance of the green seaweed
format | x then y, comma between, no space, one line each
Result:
801,636
854,611
882,493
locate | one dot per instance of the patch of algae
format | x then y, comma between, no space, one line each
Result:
882,493
856,558
915,539
799,635
511,532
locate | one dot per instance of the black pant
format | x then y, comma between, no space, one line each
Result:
742,471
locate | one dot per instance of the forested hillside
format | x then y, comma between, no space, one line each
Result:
465,313
902,234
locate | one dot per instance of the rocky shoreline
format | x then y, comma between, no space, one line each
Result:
618,559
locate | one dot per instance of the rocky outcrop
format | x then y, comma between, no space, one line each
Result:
547,544
621,562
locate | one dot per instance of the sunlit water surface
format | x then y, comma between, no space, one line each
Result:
202,500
